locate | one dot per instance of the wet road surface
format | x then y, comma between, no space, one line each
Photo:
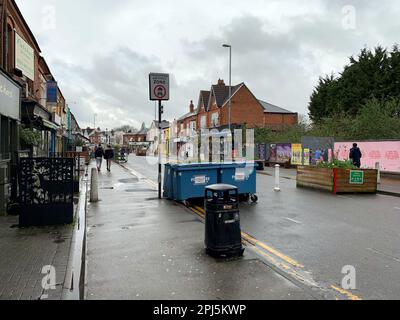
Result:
326,233
142,248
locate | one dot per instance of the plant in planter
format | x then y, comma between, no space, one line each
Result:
337,164
337,177
30,138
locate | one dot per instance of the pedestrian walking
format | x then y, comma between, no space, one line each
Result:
99,154
109,156
355,155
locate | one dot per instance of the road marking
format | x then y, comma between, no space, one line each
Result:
346,293
397,208
272,250
141,177
295,221
345,197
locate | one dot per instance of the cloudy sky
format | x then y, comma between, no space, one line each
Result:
101,51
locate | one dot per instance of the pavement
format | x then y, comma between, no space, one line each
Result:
140,248
26,254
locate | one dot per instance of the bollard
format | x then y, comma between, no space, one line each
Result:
94,186
378,167
277,178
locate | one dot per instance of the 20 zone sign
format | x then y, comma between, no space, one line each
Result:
159,86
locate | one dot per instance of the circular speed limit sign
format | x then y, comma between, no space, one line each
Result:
160,91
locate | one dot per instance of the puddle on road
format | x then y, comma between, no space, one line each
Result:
152,199
98,225
131,180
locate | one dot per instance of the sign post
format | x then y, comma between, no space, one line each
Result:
159,91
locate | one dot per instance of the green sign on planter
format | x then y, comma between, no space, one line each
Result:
356,177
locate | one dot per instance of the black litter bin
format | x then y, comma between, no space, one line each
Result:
223,233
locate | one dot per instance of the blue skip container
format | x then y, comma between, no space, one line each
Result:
242,175
190,180
168,182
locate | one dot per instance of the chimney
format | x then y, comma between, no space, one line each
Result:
191,107
221,82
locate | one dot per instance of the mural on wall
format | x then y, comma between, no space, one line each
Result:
272,153
261,151
320,149
306,157
297,154
387,153
283,152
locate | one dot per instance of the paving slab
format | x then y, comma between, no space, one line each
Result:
24,253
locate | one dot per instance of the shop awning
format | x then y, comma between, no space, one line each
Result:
49,124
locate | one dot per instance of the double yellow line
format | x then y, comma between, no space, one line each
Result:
272,254
253,241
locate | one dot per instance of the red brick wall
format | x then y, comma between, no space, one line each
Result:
201,113
245,109
133,138
274,120
13,19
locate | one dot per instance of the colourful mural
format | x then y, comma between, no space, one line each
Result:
387,153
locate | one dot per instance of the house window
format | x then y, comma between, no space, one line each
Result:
9,48
215,119
203,122
192,126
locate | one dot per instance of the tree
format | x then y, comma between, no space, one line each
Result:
322,101
126,129
375,121
372,74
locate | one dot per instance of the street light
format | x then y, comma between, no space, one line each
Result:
230,81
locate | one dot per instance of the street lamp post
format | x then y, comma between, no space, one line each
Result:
230,81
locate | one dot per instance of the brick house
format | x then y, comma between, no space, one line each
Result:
188,123
213,111
135,140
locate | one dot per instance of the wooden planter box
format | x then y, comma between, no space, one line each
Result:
338,180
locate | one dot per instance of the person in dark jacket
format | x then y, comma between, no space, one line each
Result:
355,155
109,155
99,154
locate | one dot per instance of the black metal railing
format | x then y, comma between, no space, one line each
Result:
45,181
46,192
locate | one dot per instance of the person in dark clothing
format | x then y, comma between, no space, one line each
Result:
355,155
99,154
109,155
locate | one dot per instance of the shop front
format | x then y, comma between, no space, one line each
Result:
38,120
9,138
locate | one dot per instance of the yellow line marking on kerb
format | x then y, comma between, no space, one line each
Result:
256,242
346,293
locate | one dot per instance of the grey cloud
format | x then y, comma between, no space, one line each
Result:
279,52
